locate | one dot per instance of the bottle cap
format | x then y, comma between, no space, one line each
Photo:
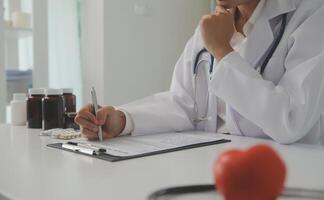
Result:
52,91
67,90
19,97
36,91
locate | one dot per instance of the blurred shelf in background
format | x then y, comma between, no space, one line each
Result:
18,81
17,33
23,58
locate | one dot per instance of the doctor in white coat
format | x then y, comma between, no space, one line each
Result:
227,93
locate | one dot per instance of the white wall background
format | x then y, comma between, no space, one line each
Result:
40,73
64,46
140,51
3,93
92,47
126,55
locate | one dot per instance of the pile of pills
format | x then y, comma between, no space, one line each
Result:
62,134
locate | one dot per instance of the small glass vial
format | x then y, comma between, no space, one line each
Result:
70,100
53,109
34,107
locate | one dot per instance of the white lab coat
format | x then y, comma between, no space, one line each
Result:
285,105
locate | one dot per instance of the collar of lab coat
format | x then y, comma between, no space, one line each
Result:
262,36
275,8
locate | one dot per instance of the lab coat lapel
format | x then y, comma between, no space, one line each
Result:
275,8
257,45
258,42
262,36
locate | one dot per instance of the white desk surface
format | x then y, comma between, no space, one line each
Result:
30,170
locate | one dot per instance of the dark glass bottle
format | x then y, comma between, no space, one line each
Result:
70,108
34,107
70,100
53,109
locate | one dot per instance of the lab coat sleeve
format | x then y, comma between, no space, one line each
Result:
170,111
286,112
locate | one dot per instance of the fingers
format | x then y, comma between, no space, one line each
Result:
103,113
89,123
86,113
206,20
83,122
218,17
227,3
221,10
86,121
89,134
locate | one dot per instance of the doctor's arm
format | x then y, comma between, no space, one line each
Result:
286,112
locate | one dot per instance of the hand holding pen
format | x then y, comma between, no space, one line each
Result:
112,122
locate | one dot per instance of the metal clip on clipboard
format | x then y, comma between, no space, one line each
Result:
83,148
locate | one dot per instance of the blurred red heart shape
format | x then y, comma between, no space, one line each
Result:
255,174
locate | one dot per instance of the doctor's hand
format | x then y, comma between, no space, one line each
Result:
112,121
217,31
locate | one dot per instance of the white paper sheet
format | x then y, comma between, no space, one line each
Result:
136,145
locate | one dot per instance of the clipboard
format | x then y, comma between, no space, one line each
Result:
112,158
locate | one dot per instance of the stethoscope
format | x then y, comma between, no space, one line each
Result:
297,193
199,60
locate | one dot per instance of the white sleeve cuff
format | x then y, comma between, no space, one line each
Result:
129,126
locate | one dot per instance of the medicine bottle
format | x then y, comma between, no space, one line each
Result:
70,100
53,109
34,107
18,110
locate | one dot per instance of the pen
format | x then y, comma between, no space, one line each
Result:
76,148
82,148
95,109
88,146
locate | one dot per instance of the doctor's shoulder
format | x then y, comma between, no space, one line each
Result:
305,26
306,9
315,4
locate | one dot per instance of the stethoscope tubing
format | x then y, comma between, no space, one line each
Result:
288,192
198,61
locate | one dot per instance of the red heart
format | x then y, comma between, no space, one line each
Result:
255,174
